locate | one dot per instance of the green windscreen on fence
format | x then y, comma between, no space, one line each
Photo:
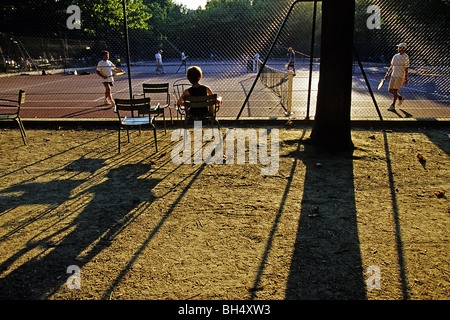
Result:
51,49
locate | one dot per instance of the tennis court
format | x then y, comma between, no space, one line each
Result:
427,95
81,96
67,96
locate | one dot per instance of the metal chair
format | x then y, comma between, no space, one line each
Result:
179,86
158,92
199,103
142,109
15,116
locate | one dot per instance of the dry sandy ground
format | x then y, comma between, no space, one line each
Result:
367,224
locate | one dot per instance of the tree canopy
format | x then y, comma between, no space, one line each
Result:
234,26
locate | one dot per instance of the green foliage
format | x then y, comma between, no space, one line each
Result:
48,17
423,24
101,15
233,27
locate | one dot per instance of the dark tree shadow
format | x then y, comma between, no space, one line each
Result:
440,139
91,231
326,262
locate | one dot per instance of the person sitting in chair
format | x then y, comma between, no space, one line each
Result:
194,75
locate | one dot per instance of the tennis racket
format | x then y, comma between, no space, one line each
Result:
380,85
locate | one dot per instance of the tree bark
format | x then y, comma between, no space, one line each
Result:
332,121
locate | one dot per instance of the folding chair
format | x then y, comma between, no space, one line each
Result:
142,108
158,92
179,86
15,115
203,102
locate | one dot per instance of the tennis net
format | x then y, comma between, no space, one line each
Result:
279,82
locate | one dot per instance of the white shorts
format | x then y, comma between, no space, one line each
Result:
396,83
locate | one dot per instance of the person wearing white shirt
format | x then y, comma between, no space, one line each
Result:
399,74
159,63
255,62
183,61
291,60
105,70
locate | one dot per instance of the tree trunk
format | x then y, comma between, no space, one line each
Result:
332,121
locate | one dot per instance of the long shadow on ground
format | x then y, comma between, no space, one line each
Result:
90,232
326,262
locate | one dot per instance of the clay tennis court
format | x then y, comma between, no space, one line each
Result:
62,95
65,96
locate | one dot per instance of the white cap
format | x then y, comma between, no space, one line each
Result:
402,45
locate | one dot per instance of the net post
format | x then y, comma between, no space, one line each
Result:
290,86
267,57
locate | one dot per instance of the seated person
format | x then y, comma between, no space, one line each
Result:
194,75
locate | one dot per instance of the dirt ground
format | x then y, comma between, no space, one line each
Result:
368,224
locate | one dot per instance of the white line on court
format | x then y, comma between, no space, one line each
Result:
59,101
60,108
32,86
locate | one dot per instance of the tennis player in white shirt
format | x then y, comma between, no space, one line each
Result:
399,74
159,63
105,70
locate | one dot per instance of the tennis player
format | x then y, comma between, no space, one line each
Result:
105,70
399,68
183,61
159,63
255,62
291,60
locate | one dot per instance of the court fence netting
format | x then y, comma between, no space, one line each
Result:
241,46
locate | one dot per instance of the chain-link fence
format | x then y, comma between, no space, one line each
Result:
234,42
425,28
